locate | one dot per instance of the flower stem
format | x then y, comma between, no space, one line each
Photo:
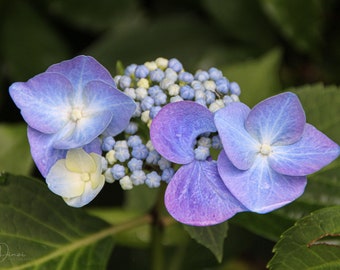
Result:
157,231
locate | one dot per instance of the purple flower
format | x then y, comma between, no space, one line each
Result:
196,194
269,150
69,106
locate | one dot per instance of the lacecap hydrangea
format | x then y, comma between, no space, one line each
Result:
157,115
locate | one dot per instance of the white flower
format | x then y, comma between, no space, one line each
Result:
78,178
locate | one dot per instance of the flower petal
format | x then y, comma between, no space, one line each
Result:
240,147
63,182
312,152
277,120
260,188
44,101
197,196
174,129
77,160
88,195
82,69
43,153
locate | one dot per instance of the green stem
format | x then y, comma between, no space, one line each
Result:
157,231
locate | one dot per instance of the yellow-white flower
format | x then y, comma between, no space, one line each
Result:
78,178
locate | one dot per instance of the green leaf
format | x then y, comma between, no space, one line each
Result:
258,78
299,21
87,15
312,243
15,156
212,237
322,107
28,43
243,20
44,233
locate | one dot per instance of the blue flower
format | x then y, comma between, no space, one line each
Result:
69,106
196,194
269,150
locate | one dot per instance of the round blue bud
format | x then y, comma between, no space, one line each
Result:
202,75
135,164
118,171
124,81
222,85
108,143
153,179
138,177
134,141
121,151
227,100
235,88
157,75
160,98
131,128
209,97
175,65
154,110
185,77
140,151
187,92
154,90
130,69
201,101
147,103
170,75
197,86
215,73
202,153
141,71
167,174
216,142
164,163
153,157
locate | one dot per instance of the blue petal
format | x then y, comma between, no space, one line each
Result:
197,196
82,69
260,188
105,110
174,130
277,120
308,155
240,147
44,101
45,155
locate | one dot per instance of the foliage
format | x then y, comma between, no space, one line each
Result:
266,46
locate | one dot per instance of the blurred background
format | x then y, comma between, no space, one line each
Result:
267,46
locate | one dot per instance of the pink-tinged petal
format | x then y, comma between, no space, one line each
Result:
82,69
278,120
44,101
260,188
175,128
45,155
197,196
240,147
312,152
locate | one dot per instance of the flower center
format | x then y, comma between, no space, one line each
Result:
85,177
76,114
265,149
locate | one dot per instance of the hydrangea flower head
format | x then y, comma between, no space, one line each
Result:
70,105
77,178
196,194
269,150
